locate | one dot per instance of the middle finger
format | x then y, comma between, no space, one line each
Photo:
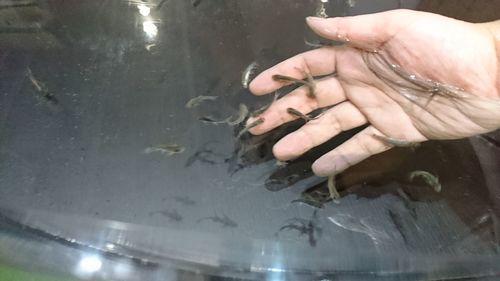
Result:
342,117
328,92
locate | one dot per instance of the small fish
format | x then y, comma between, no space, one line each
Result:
396,142
171,215
242,115
317,45
33,80
185,200
211,120
50,98
196,101
169,149
205,155
305,227
309,82
334,194
310,202
201,156
300,226
283,78
225,221
149,46
397,220
408,203
41,89
430,179
295,112
247,74
195,3
250,126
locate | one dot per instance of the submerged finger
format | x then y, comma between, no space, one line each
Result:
356,149
342,117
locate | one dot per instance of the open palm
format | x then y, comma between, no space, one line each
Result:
410,75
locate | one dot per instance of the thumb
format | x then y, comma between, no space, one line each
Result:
365,31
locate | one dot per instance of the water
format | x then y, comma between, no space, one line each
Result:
77,169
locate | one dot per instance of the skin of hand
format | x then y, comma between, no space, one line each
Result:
445,50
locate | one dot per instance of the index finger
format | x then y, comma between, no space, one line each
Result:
315,62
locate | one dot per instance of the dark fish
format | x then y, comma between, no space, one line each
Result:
309,201
288,175
296,113
396,142
185,200
197,101
50,97
309,83
201,156
250,126
211,120
308,227
408,202
225,221
205,155
168,149
195,3
284,78
172,215
398,223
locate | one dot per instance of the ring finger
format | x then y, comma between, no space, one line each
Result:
342,117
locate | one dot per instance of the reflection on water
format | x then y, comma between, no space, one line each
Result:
88,265
361,225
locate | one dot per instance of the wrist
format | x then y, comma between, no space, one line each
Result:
494,30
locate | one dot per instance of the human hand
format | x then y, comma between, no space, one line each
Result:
450,89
